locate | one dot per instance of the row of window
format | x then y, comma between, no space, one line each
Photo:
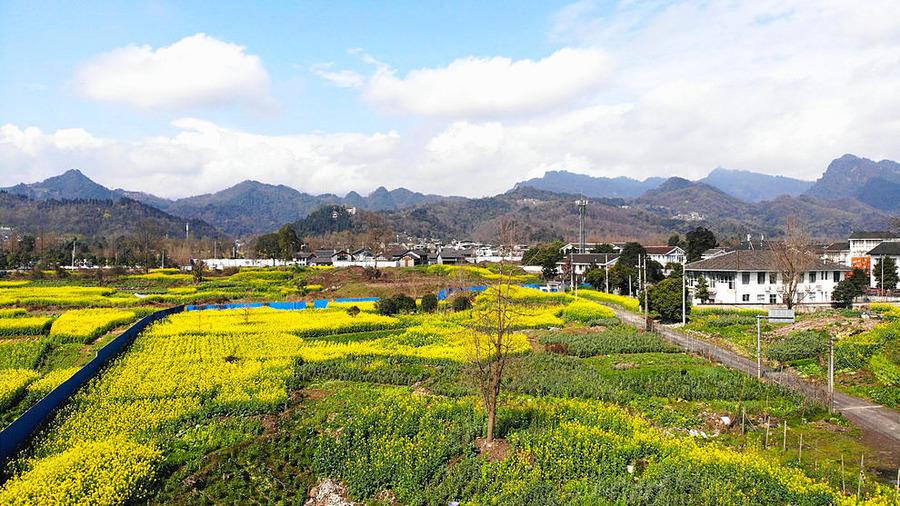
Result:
773,298
813,276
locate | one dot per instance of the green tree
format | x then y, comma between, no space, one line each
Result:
654,272
288,242
631,254
596,277
885,272
844,293
674,240
702,291
197,270
860,279
676,270
698,241
603,248
546,256
665,299
267,246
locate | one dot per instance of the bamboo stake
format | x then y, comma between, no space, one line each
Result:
784,439
800,455
859,478
843,476
767,434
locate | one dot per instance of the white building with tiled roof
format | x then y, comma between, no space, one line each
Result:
752,277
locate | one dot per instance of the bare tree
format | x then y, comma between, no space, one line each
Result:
491,333
793,257
378,236
149,234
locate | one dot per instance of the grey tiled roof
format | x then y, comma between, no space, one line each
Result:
876,234
891,248
753,261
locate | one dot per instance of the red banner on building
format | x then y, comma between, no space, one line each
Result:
864,263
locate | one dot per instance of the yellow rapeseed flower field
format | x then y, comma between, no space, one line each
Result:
82,325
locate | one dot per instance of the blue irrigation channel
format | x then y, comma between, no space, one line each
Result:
23,427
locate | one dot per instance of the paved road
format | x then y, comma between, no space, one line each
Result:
871,417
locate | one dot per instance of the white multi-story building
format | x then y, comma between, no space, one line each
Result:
666,254
752,277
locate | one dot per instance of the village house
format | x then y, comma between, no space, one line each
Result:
666,254
448,256
887,249
582,262
752,277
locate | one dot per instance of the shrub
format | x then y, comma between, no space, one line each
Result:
429,302
665,298
461,303
399,303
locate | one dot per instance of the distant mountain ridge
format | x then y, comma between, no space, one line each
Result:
247,208
91,217
754,187
860,178
861,195
743,184
561,181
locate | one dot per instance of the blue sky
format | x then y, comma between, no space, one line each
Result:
180,98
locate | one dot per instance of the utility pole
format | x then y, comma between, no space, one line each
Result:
606,264
758,347
647,324
831,374
582,206
571,270
683,296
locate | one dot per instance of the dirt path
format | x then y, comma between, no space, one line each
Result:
880,425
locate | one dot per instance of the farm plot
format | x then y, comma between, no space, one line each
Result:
867,351
204,395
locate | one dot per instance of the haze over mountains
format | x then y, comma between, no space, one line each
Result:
853,193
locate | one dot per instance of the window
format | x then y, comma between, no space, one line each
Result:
760,298
745,278
773,278
812,277
760,278
745,297
837,276
802,277
730,283
773,299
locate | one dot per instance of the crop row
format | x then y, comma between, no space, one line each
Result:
84,325
25,326
615,340
628,303
562,451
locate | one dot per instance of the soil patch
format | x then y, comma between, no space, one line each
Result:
830,323
328,493
495,451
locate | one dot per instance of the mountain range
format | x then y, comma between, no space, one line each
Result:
247,208
853,194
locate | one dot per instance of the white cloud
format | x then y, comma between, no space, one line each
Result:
482,87
340,78
646,89
196,72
